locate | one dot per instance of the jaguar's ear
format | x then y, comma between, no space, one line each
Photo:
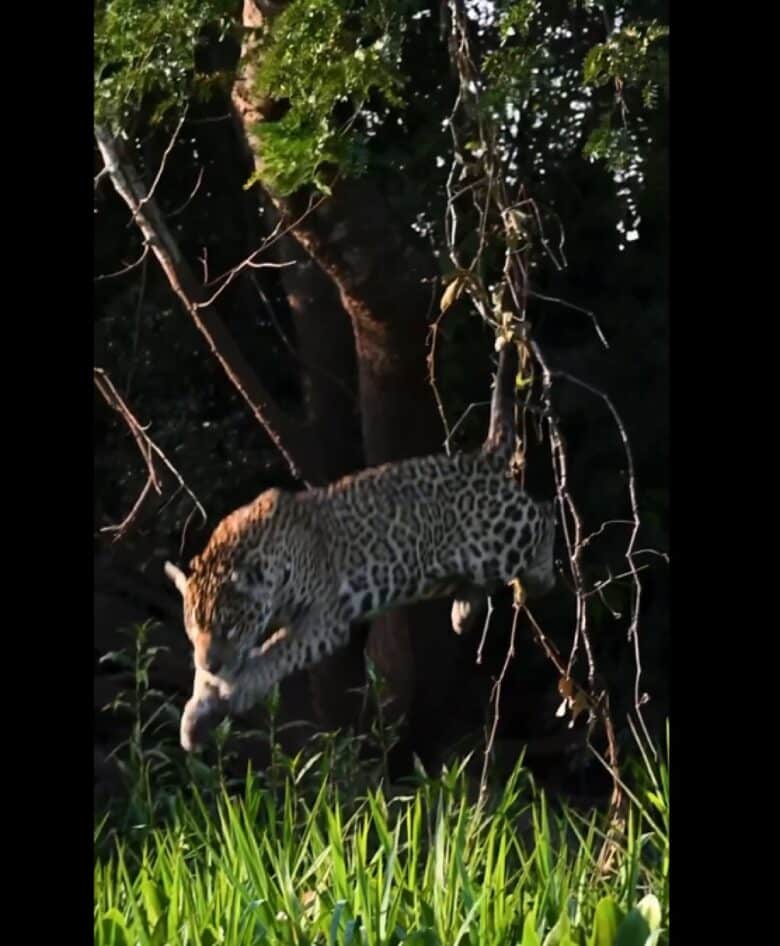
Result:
177,576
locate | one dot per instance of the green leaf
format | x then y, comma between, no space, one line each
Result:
352,927
159,936
422,937
530,936
145,53
633,931
594,71
150,898
321,55
650,909
113,929
559,934
605,923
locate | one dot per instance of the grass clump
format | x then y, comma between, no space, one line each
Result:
430,867
300,855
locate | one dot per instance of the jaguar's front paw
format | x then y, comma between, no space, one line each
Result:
200,717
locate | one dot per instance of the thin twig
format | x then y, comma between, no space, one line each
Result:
279,231
174,213
248,262
598,707
148,450
286,434
608,522
103,172
125,269
570,517
487,200
633,630
431,360
136,329
163,161
485,627
495,698
460,420
305,363
577,308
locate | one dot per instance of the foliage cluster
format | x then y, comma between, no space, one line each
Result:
338,68
146,56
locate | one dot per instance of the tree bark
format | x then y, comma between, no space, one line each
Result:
385,277
326,348
384,274
326,351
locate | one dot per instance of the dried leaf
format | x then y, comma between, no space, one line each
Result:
578,704
518,593
566,687
309,902
451,293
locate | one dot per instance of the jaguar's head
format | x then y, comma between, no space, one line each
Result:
232,592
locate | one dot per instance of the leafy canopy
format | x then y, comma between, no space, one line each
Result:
145,55
554,78
327,59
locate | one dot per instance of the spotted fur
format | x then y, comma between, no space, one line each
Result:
282,579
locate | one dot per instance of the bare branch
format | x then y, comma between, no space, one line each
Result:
250,262
633,630
174,213
662,555
148,450
609,522
598,708
136,329
308,364
460,420
126,269
576,308
103,172
125,524
286,435
570,517
163,161
495,698
210,119
476,174
431,360
485,627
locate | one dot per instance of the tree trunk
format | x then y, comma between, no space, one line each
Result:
326,351
385,277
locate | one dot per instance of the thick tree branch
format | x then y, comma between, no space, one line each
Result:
287,435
